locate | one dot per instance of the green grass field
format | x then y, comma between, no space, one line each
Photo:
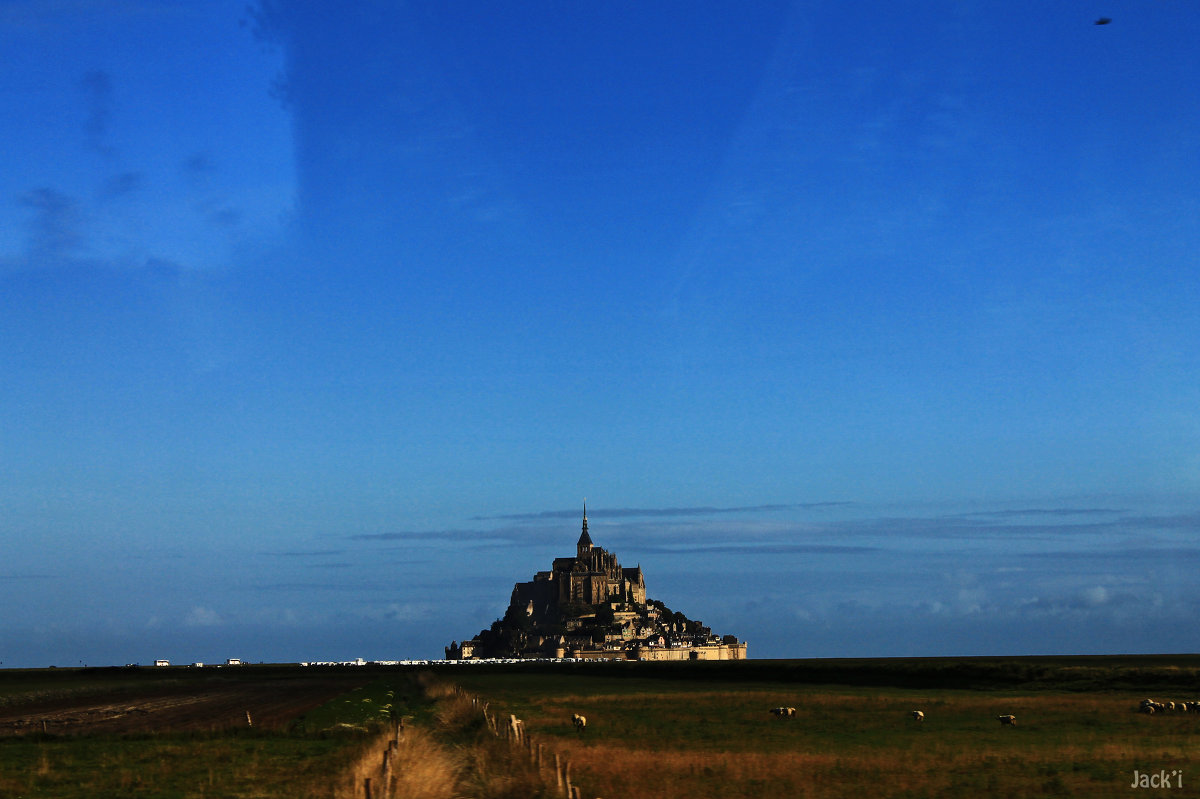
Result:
242,764
308,755
670,733
654,730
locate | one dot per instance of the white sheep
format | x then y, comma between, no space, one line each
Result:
1008,720
918,715
580,722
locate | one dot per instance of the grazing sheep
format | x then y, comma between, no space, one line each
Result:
791,711
1009,720
580,722
1150,707
918,715
783,712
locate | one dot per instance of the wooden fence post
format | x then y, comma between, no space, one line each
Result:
367,787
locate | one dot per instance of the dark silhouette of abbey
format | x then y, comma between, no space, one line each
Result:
589,606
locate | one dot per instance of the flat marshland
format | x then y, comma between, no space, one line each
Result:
248,732
654,729
663,731
176,732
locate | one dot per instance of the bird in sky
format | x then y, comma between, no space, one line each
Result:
1103,20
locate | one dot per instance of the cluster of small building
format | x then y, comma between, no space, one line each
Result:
199,665
458,662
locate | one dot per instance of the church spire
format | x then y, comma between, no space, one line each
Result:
585,540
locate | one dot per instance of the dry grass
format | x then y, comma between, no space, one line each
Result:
455,714
421,768
647,740
435,687
630,771
497,770
456,756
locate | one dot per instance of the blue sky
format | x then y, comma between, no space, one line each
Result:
866,330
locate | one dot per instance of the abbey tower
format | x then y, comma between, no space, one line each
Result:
590,606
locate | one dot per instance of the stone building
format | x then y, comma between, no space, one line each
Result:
592,577
590,606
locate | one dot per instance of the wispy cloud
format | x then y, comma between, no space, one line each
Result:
1176,555
1182,521
311,587
413,535
121,185
757,549
349,584
1089,599
224,217
964,526
398,611
1004,514
507,538
55,231
199,167
304,553
621,513
203,617
98,93
687,531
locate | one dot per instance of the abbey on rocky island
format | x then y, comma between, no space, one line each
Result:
589,606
